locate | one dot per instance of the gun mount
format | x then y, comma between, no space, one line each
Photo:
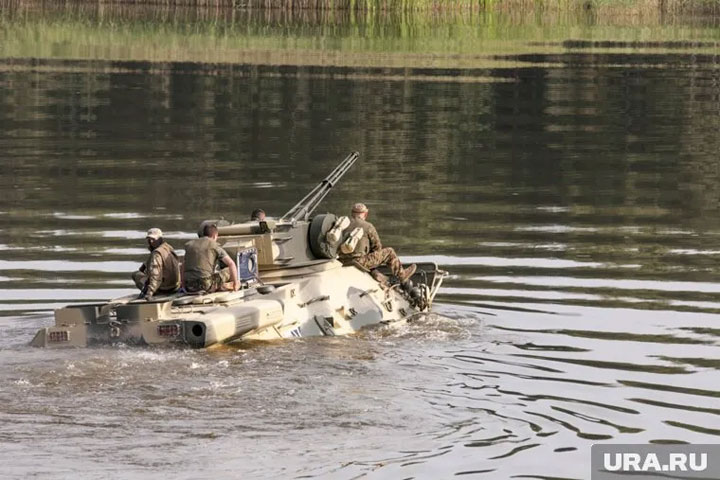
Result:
288,241
310,202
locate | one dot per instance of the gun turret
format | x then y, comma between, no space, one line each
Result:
304,208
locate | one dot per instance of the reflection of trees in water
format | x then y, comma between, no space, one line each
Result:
569,135
700,180
621,144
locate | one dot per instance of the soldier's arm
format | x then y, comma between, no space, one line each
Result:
225,258
154,274
233,271
374,239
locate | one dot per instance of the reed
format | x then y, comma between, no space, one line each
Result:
545,7
340,37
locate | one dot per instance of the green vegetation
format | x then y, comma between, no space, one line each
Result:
469,35
535,6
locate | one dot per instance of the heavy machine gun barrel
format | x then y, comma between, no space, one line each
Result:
305,207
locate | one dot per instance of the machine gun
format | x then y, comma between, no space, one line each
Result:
295,239
304,208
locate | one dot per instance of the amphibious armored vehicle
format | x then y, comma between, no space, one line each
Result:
292,286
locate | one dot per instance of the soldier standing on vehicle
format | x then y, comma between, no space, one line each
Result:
161,272
369,252
201,256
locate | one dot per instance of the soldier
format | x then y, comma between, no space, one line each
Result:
257,215
201,255
161,272
369,252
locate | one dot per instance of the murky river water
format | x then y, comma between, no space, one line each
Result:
568,179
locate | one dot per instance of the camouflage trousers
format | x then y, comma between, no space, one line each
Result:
384,256
140,279
209,284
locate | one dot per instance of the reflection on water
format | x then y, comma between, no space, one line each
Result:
571,191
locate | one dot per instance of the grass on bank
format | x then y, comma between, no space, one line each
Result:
602,7
433,38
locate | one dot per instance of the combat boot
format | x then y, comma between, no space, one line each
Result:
380,278
407,273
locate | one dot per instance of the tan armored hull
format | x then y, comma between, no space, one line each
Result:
323,299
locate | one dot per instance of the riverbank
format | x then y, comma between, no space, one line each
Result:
600,7
438,39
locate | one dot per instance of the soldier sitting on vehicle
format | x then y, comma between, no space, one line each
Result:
369,252
161,272
257,215
201,256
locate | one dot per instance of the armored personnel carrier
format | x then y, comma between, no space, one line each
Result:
292,286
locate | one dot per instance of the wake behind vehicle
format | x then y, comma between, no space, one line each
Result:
292,286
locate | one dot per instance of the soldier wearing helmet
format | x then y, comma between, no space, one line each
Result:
369,252
161,271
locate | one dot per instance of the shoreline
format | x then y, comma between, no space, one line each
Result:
493,38
510,7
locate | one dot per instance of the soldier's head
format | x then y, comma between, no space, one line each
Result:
257,215
154,238
360,210
210,231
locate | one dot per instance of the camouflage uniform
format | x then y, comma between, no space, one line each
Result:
160,272
201,256
369,252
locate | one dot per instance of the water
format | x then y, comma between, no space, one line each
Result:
563,169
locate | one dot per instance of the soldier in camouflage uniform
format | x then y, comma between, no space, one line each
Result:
161,272
201,256
369,252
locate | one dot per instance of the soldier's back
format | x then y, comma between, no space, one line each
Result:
200,258
170,266
356,222
366,243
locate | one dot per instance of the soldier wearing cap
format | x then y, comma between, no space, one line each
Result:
369,252
161,272
201,256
